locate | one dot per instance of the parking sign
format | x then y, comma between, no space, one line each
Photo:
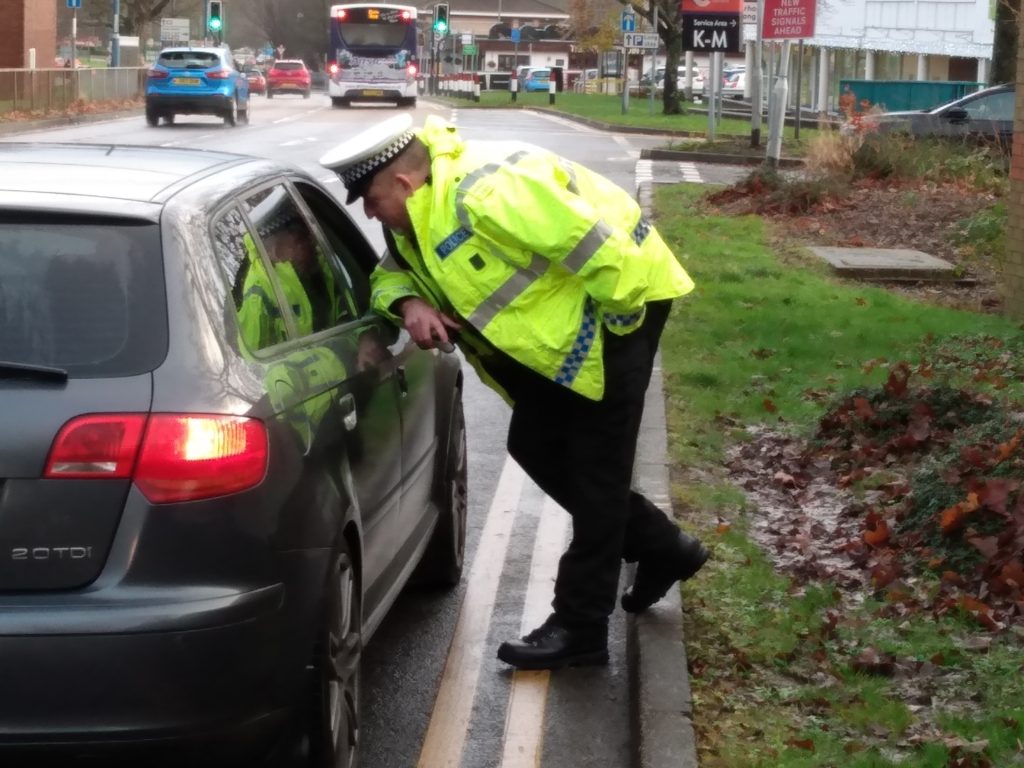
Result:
74,3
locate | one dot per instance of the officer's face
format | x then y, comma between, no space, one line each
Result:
384,200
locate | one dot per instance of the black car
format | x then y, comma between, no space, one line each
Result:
218,468
986,115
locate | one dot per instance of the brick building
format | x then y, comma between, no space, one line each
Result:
1013,271
27,24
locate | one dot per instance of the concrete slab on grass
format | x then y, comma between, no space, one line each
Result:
885,263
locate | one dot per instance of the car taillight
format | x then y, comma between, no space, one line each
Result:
156,74
333,67
218,74
170,457
411,70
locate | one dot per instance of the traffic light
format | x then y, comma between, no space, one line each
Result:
441,19
215,18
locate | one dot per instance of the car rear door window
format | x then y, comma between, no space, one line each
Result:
83,295
188,59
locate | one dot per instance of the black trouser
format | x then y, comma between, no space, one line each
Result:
580,452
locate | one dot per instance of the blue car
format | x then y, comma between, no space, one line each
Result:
537,80
196,81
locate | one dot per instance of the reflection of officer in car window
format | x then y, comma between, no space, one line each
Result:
299,265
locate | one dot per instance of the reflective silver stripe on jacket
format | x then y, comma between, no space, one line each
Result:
588,245
573,363
510,290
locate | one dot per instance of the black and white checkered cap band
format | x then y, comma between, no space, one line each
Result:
358,171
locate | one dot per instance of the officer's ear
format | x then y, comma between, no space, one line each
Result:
409,182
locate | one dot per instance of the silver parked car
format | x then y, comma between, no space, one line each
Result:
217,467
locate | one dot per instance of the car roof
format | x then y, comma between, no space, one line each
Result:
289,61
104,171
1002,88
194,49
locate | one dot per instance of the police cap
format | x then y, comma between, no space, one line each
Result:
357,160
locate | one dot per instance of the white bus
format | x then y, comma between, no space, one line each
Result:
372,54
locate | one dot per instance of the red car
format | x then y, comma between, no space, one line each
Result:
257,82
288,76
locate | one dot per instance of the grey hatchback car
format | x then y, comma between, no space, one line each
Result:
218,468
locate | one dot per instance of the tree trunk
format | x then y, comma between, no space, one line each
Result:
1004,44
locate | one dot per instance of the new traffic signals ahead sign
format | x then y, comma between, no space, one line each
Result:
788,19
712,32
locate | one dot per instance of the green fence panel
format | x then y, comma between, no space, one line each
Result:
897,95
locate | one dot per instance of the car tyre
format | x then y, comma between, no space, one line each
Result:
152,117
334,707
270,94
305,94
243,114
231,113
442,563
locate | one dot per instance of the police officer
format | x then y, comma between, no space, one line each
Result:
557,289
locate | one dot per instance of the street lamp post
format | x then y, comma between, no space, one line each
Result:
115,36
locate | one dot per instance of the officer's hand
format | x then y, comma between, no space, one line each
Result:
428,327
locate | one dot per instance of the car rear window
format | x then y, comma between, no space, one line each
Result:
82,295
188,59
289,65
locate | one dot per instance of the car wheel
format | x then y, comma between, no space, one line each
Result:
442,562
243,114
231,114
152,117
305,94
270,94
334,714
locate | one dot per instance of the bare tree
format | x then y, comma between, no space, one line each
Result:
671,35
299,25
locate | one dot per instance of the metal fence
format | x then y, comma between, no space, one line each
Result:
55,90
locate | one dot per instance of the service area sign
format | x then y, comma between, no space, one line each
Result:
788,19
712,33
710,26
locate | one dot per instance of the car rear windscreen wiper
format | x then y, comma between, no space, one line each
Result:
9,370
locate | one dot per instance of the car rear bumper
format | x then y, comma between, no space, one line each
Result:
196,104
210,679
290,86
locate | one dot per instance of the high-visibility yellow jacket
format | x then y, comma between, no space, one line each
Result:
534,252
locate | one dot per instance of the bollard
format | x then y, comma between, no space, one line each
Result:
551,91
476,88
514,85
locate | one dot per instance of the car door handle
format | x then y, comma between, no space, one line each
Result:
347,405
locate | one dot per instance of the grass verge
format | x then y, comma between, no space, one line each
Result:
608,109
781,671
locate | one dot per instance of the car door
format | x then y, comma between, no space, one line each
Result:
396,358
988,116
299,321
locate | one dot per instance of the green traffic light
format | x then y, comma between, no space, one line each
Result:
216,24
441,27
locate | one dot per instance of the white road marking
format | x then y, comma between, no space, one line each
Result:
449,722
524,723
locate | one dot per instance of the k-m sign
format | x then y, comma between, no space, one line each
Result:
712,32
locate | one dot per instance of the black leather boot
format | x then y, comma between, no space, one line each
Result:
553,646
654,577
